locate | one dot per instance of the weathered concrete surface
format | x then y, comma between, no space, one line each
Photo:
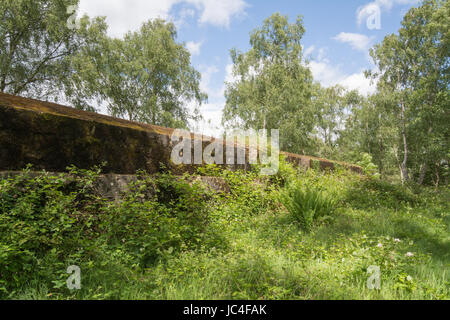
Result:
322,164
52,137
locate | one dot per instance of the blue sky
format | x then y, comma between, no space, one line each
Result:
338,35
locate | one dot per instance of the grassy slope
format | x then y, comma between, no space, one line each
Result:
253,248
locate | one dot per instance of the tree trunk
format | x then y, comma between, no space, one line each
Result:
402,177
398,163
423,170
380,160
424,167
264,126
404,168
3,82
436,183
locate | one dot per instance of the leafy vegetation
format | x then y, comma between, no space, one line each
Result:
307,203
147,76
168,238
48,220
296,235
403,126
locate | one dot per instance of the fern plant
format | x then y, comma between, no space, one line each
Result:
307,203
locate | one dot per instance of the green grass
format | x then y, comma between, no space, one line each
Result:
252,247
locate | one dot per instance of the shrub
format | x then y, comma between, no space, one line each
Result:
375,193
49,222
172,218
41,217
366,162
286,173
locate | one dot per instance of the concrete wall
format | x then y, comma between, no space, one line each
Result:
52,137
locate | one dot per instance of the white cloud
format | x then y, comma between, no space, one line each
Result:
309,51
230,78
358,81
329,75
125,15
321,55
218,12
183,15
357,41
205,84
212,111
212,124
325,73
194,47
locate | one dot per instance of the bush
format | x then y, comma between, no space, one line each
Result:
375,193
49,222
286,173
369,168
41,217
171,219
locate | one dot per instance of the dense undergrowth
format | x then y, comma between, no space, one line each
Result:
297,235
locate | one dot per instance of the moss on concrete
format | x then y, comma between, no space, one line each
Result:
53,137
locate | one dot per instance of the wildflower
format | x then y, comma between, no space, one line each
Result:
397,240
380,245
409,254
409,278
